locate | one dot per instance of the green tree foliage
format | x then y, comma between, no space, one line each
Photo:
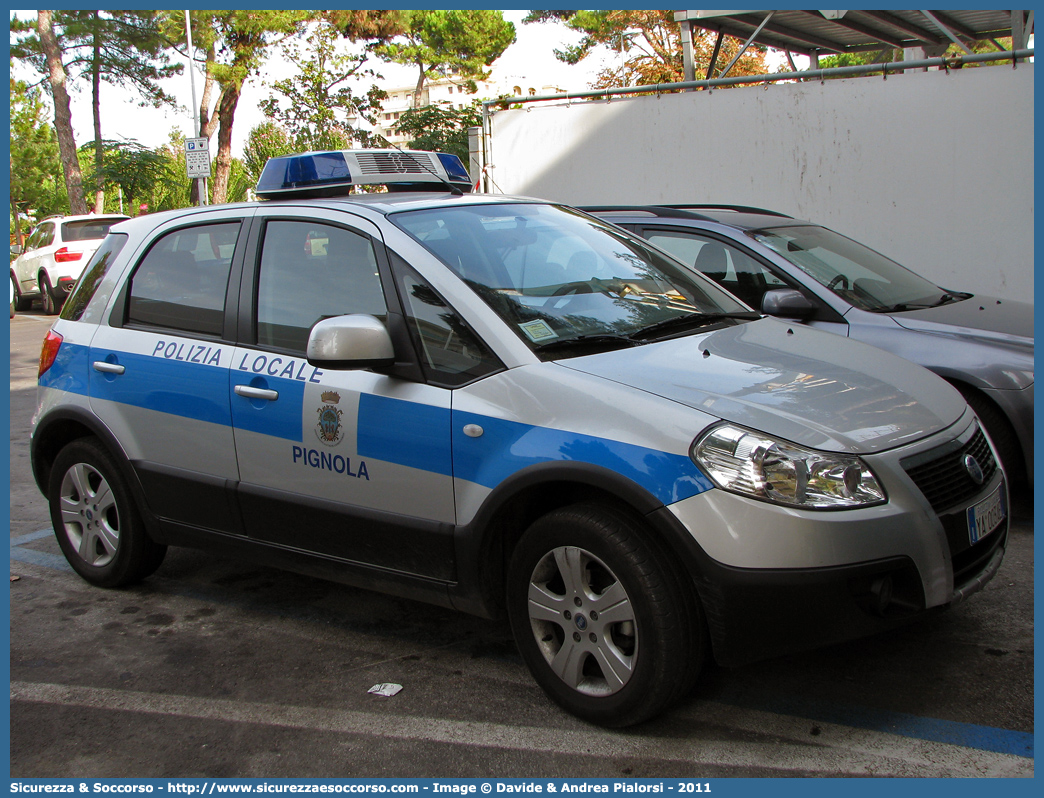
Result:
267,140
35,167
126,50
235,44
648,44
458,42
128,166
440,127
171,188
371,26
321,110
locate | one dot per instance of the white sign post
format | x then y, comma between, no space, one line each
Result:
197,163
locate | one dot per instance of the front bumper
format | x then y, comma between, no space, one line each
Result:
774,579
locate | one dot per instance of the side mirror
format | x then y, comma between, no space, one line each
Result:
358,341
788,303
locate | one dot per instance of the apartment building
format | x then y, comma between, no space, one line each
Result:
451,90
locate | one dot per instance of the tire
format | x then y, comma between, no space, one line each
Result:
602,617
98,526
50,305
1001,433
21,303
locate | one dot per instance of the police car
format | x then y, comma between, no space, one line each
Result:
508,407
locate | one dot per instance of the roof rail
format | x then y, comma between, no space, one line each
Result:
663,211
719,207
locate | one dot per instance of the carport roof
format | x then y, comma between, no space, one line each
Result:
825,32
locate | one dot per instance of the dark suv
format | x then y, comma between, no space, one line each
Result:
799,270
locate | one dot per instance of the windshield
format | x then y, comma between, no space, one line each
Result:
558,277
864,278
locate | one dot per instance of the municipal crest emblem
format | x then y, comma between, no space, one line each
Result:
329,430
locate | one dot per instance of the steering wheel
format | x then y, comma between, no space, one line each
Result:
838,280
568,289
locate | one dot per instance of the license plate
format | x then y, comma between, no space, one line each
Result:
986,516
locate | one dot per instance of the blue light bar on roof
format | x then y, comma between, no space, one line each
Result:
330,174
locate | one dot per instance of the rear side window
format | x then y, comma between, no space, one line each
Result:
311,271
181,283
91,278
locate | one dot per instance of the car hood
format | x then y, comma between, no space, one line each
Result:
984,318
809,387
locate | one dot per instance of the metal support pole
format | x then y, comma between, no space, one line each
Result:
201,182
714,57
949,34
747,44
688,63
814,73
475,156
487,149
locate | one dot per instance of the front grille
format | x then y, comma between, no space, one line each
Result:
944,480
391,163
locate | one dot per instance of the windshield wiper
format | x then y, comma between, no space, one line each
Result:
691,320
945,299
604,341
953,296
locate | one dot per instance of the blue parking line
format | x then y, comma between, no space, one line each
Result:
902,724
41,558
33,557
21,540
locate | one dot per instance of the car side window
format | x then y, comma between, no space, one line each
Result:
730,267
452,354
181,282
311,271
43,236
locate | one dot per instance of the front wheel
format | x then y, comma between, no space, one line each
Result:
19,302
602,616
98,526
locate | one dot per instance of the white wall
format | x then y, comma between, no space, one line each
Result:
933,169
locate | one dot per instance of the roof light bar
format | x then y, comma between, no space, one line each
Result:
332,174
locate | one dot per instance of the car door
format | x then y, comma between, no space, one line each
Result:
736,270
159,371
349,464
28,264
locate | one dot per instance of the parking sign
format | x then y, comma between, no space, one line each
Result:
197,157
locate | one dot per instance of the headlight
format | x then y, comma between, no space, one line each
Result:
772,470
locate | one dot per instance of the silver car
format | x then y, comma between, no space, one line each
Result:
507,407
792,269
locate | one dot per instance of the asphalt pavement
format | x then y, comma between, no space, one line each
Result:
217,668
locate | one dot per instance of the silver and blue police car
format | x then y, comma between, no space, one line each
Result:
508,407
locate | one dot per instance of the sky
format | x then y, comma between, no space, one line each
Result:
530,58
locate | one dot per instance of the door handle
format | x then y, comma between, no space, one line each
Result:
108,368
250,392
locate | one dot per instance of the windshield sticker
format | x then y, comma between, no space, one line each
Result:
538,331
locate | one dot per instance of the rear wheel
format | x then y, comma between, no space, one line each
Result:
97,524
602,617
50,304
